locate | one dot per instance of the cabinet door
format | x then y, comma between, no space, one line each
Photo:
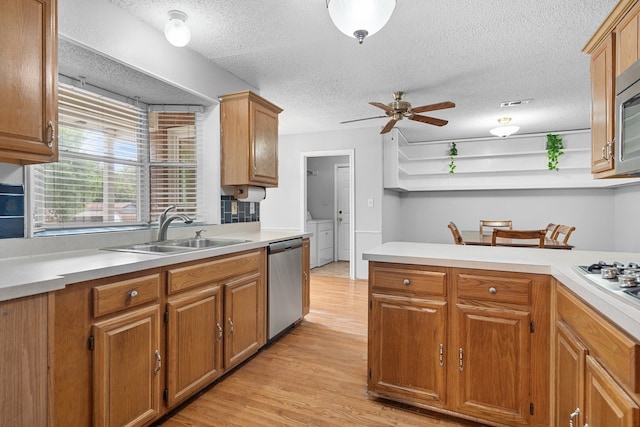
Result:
606,403
602,111
245,326
263,167
126,369
493,346
194,342
28,66
569,364
407,341
306,277
627,41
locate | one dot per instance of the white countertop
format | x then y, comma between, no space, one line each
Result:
557,263
30,275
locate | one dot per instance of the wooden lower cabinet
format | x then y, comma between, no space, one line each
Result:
244,302
129,348
127,360
23,361
597,381
194,342
473,343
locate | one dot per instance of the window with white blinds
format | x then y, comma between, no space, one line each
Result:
118,164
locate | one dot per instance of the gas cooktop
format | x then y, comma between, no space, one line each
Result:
619,280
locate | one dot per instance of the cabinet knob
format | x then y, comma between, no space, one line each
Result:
406,282
493,290
133,294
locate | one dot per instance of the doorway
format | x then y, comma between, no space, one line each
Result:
327,179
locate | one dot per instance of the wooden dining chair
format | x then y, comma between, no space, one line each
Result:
563,232
495,223
518,234
457,238
551,230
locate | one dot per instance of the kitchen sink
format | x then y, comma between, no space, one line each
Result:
175,246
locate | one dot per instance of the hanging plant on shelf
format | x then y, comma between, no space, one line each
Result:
554,150
453,152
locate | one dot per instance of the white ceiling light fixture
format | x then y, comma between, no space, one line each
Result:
360,18
176,29
504,130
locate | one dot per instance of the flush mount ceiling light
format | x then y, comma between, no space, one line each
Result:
504,130
360,18
176,29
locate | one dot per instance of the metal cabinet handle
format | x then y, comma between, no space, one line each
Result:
219,331
406,282
573,416
52,134
306,278
133,294
607,150
231,326
493,290
604,155
159,363
441,355
460,363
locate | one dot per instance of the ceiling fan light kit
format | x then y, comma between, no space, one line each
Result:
176,29
360,18
504,130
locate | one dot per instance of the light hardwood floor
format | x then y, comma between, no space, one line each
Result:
313,376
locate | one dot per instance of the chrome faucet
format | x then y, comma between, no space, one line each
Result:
165,220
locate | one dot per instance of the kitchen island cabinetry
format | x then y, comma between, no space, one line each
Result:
249,140
470,342
501,327
597,368
28,66
408,333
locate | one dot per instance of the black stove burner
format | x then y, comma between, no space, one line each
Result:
597,268
634,292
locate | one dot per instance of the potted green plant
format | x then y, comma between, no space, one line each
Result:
453,152
554,150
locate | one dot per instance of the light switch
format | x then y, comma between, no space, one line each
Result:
369,203
252,208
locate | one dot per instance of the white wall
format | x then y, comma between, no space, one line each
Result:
594,212
281,209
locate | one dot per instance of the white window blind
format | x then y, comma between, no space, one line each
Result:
101,176
119,164
175,141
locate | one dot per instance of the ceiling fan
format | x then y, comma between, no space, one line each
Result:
399,109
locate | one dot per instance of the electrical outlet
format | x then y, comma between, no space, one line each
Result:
369,203
252,208
234,207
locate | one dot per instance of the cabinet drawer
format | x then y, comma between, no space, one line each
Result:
325,226
124,294
409,279
211,271
482,287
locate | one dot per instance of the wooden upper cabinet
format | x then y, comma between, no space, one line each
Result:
602,108
249,140
28,87
627,37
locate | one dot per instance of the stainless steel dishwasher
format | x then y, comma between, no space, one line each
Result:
285,285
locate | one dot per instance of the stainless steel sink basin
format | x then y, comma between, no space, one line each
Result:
204,243
175,246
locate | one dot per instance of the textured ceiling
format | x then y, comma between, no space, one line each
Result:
474,53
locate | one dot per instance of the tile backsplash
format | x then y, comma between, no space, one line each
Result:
243,212
11,211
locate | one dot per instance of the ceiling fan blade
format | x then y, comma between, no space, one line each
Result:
432,107
385,107
359,120
429,120
389,125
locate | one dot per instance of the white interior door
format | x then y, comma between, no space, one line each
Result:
343,214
